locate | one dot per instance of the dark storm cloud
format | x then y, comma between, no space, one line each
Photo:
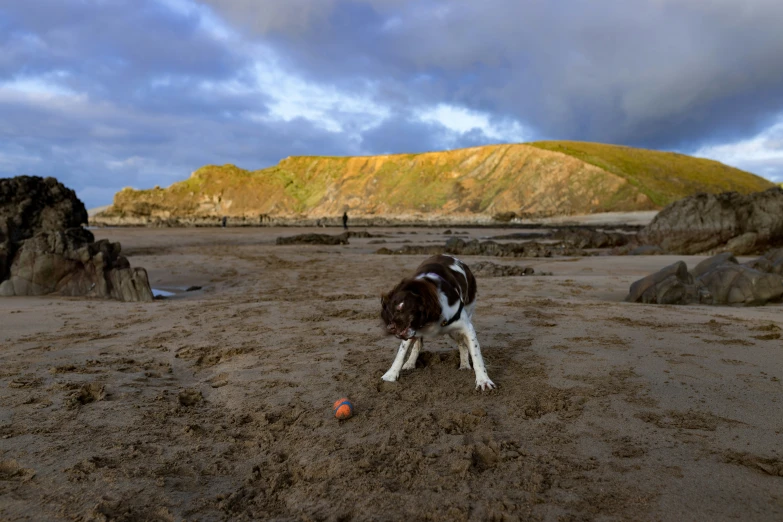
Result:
111,93
657,73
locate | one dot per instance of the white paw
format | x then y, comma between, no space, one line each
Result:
485,384
465,367
390,376
407,366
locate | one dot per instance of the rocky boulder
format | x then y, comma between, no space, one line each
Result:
771,262
732,284
718,280
731,222
670,285
69,262
31,204
44,250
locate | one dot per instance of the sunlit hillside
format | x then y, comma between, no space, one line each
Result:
535,179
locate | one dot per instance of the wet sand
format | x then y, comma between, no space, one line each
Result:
215,404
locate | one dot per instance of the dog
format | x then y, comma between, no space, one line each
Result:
438,300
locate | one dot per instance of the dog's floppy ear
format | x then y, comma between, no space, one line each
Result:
384,299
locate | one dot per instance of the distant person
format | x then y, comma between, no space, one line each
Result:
225,219
345,220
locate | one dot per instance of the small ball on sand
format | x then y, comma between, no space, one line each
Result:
343,409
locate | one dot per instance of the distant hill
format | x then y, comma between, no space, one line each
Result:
536,180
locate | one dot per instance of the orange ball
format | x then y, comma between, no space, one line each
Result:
343,409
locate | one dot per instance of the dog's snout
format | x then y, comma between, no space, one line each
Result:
405,333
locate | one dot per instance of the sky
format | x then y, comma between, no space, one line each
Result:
104,94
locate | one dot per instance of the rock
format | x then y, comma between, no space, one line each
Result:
428,250
718,280
314,239
70,263
358,233
712,262
771,262
6,255
475,247
523,236
670,285
741,224
733,284
743,244
588,238
31,204
44,250
489,269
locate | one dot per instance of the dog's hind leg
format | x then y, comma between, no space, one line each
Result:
464,360
394,371
410,364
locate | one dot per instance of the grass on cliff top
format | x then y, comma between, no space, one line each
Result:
663,176
422,182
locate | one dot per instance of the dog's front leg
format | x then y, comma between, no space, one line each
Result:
410,364
482,379
394,371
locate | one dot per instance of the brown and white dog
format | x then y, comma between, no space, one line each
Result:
438,300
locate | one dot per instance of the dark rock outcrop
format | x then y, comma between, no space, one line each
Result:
718,280
71,263
489,269
44,250
324,239
733,284
731,222
475,247
30,204
587,238
771,262
670,285
313,239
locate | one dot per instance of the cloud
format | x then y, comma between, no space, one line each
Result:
761,154
104,94
657,73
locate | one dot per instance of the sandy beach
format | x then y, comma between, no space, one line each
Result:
215,404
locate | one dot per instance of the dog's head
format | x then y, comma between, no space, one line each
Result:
409,307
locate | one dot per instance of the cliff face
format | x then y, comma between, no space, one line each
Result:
539,179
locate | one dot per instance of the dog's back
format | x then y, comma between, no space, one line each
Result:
453,278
